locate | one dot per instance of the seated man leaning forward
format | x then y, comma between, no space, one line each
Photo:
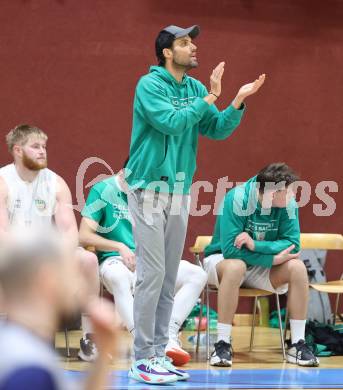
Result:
106,226
255,244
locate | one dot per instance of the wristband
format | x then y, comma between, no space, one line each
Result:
211,93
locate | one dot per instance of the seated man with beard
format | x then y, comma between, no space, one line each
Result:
33,196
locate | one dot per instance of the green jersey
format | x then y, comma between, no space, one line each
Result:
107,205
272,230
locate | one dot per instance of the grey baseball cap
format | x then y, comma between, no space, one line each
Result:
179,32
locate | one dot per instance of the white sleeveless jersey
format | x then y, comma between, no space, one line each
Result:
30,204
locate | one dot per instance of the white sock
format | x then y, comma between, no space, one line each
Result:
174,328
297,330
86,324
224,332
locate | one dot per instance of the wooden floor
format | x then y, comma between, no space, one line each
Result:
266,354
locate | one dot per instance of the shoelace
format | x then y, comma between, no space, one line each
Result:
165,360
300,348
152,364
222,348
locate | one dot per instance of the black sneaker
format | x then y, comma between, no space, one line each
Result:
88,351
222,354
301,354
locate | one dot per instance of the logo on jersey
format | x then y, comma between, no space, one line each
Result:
40,204
179,103
260,236
121,211
258,230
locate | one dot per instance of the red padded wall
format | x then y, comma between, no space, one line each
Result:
71,67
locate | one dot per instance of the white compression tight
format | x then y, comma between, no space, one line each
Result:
120,281
190,282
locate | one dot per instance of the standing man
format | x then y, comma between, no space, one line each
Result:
106,225
170,111
33,196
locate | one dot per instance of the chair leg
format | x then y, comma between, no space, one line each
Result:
337,304
66,336
200,320
207,323
286,322
336,308
253,325
280,326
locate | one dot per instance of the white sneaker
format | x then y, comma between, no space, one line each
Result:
88,351
300,354
175,352
150,371
222,354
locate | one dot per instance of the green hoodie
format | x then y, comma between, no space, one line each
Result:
273,230
167,119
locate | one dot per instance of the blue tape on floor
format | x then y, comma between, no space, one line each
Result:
305,378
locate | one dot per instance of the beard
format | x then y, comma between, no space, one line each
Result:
32,164
186,64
